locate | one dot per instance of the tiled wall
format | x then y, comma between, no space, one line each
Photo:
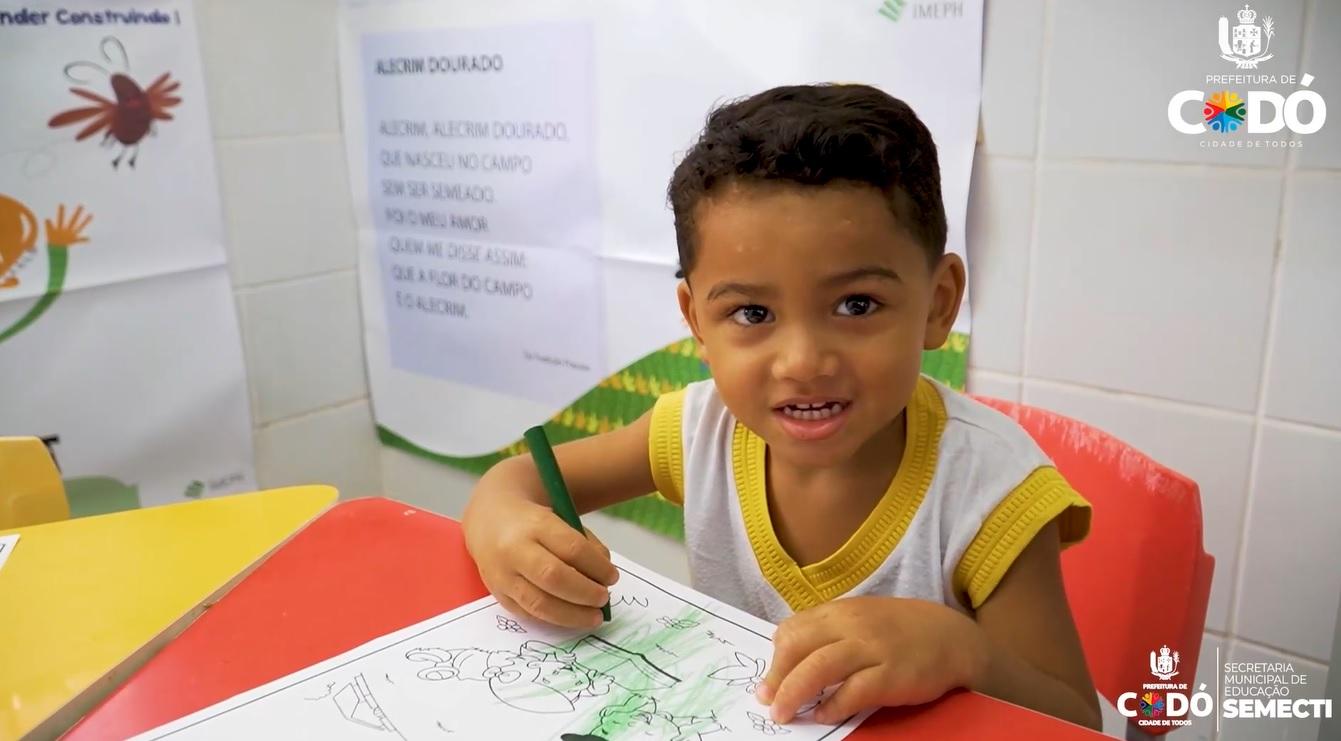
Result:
1180,298
271,69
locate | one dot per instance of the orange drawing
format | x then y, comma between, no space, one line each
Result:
131,116
18,235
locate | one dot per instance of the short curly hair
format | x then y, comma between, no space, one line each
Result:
816,135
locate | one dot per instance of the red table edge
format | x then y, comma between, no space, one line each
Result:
65,717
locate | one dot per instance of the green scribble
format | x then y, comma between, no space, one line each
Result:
685,709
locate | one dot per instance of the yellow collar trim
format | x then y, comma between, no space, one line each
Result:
871,544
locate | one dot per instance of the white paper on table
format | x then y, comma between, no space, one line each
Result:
672,664
7,544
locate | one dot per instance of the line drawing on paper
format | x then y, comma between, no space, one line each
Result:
764,725
330,688
747,672
540,677
719,639
357,704
639,716
677,623
637,678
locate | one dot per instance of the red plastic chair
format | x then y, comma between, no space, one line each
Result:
1141,580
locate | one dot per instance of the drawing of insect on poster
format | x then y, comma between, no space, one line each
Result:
672,664
130,114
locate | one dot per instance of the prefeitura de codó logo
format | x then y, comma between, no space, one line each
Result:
1262,109
1165,703
1242,690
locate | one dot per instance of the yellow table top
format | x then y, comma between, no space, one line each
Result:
83,599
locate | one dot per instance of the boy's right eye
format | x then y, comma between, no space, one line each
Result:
752,314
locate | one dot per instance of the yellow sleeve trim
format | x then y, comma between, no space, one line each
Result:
1042,497
665,446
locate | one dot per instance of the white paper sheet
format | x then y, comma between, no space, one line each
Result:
485,205
672,664
7,543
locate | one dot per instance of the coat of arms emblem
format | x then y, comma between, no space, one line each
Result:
1248,43
1164,666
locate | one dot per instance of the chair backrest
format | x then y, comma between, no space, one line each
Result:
31,492
1141,580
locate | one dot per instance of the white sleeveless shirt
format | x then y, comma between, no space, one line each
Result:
972,490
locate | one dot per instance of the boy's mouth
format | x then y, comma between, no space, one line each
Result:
813,419
812,411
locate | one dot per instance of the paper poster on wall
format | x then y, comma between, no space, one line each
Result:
482,188
119,342
559,123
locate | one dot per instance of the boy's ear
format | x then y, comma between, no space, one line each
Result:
948,283
690,314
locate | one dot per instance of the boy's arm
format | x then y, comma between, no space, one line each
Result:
529,558
1033,655
600,470
1021,647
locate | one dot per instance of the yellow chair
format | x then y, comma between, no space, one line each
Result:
31,492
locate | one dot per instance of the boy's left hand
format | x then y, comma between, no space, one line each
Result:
884,651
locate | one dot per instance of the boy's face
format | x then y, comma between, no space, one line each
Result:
813,306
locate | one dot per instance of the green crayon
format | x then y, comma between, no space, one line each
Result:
559,501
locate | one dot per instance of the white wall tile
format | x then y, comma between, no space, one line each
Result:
1291,585
304,345
1306,359
426,484
1012,51
1323,61
287,203
1273,729
271,67
995,385
1000,218
1113,724
245,335
1142,285
336,446
1211,448
1114,67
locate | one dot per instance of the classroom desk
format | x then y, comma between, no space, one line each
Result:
86,600
372,566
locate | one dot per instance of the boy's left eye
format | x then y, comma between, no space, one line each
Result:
857,306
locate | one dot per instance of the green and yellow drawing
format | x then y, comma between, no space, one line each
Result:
18,241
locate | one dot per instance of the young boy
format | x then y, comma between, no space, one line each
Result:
905,538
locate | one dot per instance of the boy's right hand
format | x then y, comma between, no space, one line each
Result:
536,565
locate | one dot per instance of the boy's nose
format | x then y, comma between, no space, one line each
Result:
803,356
